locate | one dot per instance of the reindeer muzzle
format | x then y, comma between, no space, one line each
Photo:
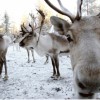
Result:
21,44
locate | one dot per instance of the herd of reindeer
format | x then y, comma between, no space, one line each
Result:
80,38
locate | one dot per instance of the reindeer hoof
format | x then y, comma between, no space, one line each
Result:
5,78
53,76
57,77
34,61
28,61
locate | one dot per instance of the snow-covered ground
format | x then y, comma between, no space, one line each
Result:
32,80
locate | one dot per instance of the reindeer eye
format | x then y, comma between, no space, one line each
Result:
29,37
69,36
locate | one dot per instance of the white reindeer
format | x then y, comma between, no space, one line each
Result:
84,41
4,43
48,44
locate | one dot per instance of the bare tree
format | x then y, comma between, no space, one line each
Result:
6,23
33,19
90,7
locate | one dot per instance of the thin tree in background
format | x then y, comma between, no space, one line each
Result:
87,7
90,7
7,26
6,23
33,18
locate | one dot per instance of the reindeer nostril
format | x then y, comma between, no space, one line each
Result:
81,85
86,95
21,44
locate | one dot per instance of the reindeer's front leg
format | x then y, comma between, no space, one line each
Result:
5,64
54,70
1,67
32,51
47,59
28,55
57,66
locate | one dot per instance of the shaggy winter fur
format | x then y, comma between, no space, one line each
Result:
85,55
84,40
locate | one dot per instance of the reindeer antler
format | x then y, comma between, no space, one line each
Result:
31,28
79,11
32,16
25,28
43,18
22,30
41,13
65,11
68,13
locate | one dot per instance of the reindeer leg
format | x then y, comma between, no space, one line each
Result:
28,55
47,59
54,70
6,75
1,67
32,51
57,66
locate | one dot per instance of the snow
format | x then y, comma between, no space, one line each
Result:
32,80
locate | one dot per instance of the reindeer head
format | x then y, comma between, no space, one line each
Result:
84,39
23,31
30,38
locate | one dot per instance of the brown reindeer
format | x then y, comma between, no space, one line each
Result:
4,43
84,41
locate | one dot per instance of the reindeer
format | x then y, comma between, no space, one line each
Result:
18,39
84,45
23,32
48,44
4,43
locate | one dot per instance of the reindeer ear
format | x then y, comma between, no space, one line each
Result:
59,24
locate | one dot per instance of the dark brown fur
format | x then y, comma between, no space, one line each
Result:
3,61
